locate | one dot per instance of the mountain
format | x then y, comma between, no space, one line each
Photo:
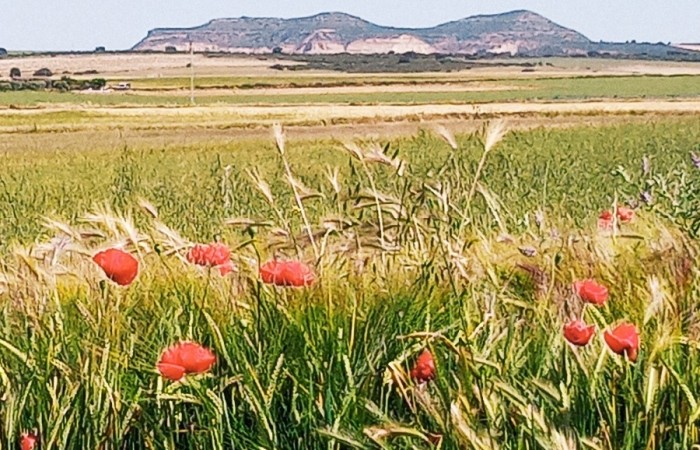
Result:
517,33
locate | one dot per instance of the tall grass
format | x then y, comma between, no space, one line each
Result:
416,243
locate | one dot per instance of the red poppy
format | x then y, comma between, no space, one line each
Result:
287,273
591,292
118,265
624,340
578,333
28,441
424,370
624,214
605,220
212,255
185,358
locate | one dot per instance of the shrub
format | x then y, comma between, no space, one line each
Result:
73,84
43,72
61,86
35,85
15,73
97,83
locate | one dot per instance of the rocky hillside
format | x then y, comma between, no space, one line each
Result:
516,33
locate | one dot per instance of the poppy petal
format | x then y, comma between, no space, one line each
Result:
172,372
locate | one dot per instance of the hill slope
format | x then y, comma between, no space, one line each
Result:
517,33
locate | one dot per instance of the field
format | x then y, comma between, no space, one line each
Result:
449,212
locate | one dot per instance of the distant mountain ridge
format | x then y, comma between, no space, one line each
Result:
516,33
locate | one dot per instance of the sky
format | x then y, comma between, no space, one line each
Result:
82,25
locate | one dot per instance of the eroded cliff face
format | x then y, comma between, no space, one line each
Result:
518,32
397,44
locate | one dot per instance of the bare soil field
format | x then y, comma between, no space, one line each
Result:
160,65
136,65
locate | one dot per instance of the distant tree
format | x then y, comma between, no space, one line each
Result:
43,72
170,49
3,52
100,49
15,73
277,51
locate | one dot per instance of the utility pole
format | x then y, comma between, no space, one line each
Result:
191,74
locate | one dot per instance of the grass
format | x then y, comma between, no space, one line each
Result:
42,181
415,244
545,89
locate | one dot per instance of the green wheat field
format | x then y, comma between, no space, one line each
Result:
465,244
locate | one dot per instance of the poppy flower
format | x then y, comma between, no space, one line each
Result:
624,214
592,292
215,254
578,333
185,358
28,441
287,273
624,340
211,255
118,265
605,220
424,370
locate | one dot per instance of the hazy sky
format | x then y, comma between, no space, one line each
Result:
85,24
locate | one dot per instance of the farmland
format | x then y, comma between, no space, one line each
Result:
429,222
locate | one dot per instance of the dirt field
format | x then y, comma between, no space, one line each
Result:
157,65
141,65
